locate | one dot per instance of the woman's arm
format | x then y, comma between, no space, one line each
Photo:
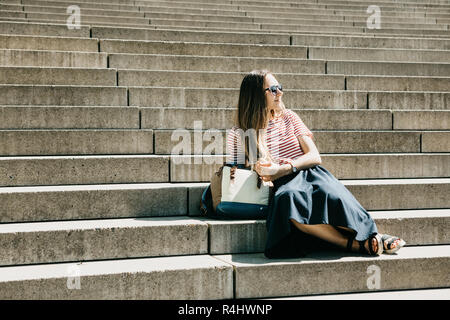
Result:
310,158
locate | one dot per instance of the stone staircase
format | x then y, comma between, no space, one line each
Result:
95,206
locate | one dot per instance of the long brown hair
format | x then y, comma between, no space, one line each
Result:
252,114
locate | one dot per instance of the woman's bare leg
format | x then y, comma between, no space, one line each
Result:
330,234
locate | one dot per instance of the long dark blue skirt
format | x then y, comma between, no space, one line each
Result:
311,196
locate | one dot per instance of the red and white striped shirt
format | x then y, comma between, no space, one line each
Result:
281,139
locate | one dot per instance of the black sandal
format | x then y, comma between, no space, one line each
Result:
362,248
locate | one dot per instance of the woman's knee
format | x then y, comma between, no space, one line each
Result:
330,191
290,193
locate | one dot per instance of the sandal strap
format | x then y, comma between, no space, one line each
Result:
350,243
362,248
372,252
379,242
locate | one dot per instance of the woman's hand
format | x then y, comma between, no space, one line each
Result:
270,171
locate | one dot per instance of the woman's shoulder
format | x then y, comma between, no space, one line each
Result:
233,128
289,113
232,132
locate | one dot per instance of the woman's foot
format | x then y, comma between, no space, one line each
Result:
372,245
391,244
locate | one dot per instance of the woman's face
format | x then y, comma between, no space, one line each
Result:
273,101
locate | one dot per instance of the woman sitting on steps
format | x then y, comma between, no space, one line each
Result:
311,209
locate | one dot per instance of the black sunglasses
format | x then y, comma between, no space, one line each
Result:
273,89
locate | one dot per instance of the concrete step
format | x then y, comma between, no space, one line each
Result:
226,98
164,97
199,17
12,14
400,55
197,277
84,240
249,236
207,63
296,99
63,59
271,25
438,15
116,168
188,168
406,31
190,36
86,18
222,80
218,26
61,8
418,294
183,26
128,2
57,76
316,119
408,100
385,30
63,95
90,5
436,142
370,42
298,8
399,13
348,142
341,273
76,142
282,65
11,7
176,8
50,203
205,24
425,20
225,4
156,199
263,17
421,120
47,29
384,7
224,36
356,17
414,3
111,201
305,20
388,68
222,118
289,80
202,49
123,117
422,26
7,19
358,4
248,50
403,83
71,117
39,29
48,43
